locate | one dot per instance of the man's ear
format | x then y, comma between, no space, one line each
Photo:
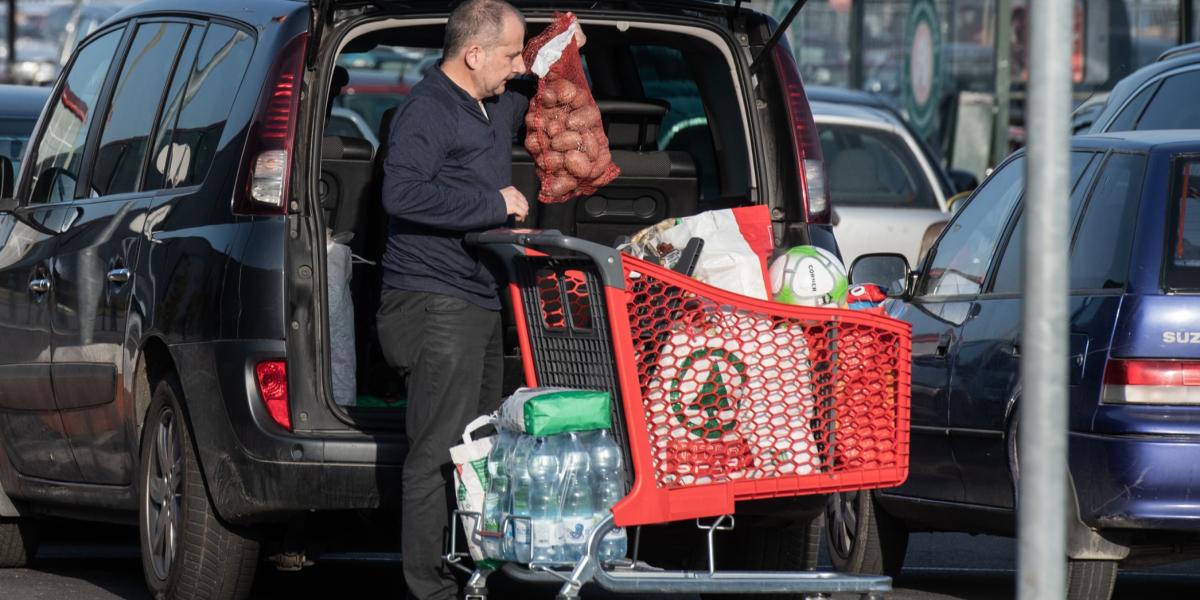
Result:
473,57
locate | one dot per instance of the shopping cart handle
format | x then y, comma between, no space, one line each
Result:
608,260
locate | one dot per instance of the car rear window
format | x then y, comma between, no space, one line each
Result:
871,167
1182,272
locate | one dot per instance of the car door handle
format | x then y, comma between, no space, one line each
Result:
943,345
119,275
39,286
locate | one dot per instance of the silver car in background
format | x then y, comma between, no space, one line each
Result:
888,193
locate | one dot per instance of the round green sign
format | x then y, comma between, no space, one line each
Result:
922,64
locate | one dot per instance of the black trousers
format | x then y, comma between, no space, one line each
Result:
450,351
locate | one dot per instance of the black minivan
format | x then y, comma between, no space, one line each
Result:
164,331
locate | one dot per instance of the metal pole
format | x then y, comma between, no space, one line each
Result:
1187,16
1003,82
12,38
858,14
1042,451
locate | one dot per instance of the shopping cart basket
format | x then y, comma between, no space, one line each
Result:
721,399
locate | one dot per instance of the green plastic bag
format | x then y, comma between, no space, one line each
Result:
551,411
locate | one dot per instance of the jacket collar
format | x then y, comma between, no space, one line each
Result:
465,99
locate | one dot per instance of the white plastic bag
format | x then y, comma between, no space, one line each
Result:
737,242
342,359
712,417
470,460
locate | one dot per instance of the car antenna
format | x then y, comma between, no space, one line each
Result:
775,37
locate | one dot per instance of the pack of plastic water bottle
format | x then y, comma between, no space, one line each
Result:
545,494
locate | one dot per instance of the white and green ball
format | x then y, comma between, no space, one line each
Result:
808,276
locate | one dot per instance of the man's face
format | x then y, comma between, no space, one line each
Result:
502,61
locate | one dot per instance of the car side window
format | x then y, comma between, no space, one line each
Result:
1011,269
134,106
1129,115
959,262
1100,256
874,168
1174,106
216,76
58,155
156,171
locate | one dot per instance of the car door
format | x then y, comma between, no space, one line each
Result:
97,253
985,380
952,277
31,427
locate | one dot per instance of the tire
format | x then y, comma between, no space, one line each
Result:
862,538
192,555
1091,579
18,542
1086,579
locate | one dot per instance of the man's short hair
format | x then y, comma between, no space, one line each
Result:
478,21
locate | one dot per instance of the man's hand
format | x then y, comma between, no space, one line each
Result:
515,203
580,39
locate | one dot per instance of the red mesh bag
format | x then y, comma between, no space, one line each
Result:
565,135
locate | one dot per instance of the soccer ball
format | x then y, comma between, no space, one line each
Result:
808,276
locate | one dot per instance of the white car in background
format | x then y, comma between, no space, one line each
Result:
889,194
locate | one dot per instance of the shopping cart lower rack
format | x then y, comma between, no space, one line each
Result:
720,398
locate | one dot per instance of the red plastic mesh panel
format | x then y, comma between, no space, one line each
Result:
564,132
732,393
572,286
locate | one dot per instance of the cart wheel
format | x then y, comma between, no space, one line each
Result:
862,538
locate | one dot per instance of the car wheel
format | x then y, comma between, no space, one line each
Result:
187,551
1086,579
18,542
862,538
1091,579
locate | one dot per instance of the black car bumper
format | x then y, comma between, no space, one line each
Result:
256,470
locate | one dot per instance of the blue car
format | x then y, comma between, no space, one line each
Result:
1134,403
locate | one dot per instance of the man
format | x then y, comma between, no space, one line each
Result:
448,171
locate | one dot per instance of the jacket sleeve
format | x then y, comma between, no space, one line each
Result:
417,147
522,90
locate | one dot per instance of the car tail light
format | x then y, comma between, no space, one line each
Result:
264,178
271,376
805,140
1151,382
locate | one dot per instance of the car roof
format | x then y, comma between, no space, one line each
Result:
22,100
824,93
258,12
1165,140
858,112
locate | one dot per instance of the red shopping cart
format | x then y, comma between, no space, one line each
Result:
722,399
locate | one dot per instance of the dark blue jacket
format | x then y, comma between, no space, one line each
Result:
446,163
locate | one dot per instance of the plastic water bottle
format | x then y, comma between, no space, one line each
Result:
516,545
577,497
543,499
609,485
496,499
